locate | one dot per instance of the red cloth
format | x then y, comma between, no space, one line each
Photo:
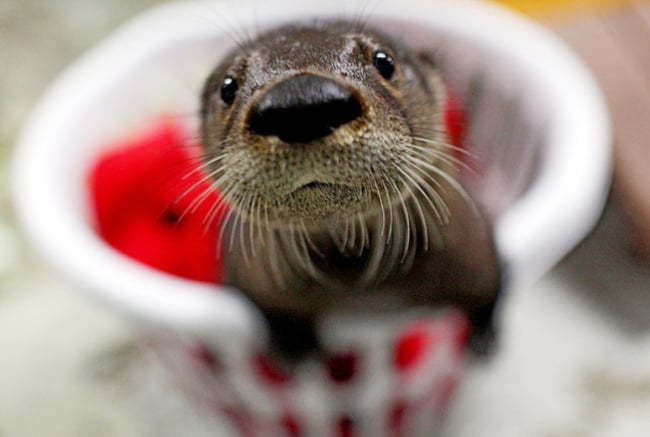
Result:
149,203
455,120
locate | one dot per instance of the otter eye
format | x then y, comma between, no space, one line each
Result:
229,88
384,63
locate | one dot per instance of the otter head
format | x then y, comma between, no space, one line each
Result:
309,125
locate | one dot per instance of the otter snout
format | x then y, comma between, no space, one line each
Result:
304,108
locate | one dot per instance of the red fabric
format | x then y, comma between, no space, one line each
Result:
141,188
143,195
455,120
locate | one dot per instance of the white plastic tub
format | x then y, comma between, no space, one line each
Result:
546,162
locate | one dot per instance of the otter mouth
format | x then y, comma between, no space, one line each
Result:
315,185
315,199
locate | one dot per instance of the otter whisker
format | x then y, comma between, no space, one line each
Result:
435,200
227,197
346,235
301,251
430,195
246,212
451,181
436,203
404,210
306,244
225,224
252,220
235,224
360,22
417,166
198,201
204,165
437,152
390,216
418,206
180,168
193,187
277,261
429,153
361,245
225,192
364,231
310,242
217,207
253,225
267,220
353,234
204,179
337,234
400,235
242,41
246,205
239,220
382,207
259,221
447,146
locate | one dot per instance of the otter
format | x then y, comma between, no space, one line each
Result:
328,144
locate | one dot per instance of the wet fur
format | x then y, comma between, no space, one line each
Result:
384,223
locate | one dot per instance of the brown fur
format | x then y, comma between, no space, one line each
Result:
384,222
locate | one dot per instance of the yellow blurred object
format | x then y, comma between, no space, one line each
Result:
548,8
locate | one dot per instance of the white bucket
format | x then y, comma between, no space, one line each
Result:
546,169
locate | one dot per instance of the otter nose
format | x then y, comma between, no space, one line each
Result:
304,108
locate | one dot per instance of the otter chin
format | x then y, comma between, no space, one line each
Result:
328,144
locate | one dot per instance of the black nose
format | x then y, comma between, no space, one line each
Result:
304,108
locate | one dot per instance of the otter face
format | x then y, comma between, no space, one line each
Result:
314,124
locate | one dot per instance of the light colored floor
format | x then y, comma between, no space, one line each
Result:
59,352
575,352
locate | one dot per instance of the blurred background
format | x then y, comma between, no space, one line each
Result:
575,356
